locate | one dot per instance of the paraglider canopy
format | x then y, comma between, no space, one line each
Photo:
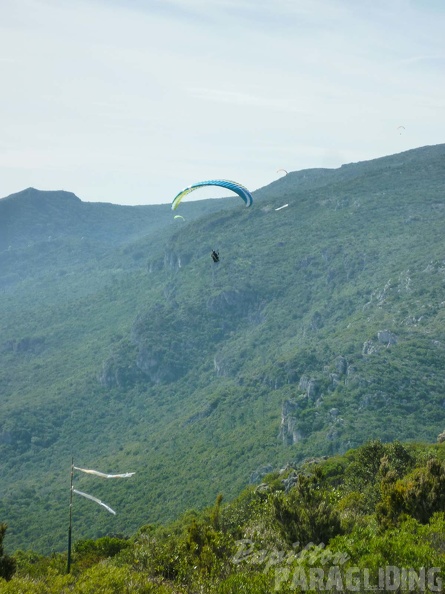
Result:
223,183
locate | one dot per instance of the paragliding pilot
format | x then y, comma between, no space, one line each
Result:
215,256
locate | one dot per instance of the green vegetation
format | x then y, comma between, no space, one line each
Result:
7,563
320,522
320,329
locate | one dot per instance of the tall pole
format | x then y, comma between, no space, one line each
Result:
68,567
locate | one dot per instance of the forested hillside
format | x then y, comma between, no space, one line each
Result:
371,519
321,327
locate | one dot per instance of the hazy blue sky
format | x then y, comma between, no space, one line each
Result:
129,101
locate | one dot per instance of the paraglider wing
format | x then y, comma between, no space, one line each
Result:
179,217
286,172
223,183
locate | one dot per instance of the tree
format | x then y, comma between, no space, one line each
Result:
306,514
7,563
419,494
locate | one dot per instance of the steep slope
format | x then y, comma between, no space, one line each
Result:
321,327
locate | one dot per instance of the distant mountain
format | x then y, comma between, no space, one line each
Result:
34,215
321,327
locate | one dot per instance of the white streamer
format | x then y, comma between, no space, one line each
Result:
96,500
103,475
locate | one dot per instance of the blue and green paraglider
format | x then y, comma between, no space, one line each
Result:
223,183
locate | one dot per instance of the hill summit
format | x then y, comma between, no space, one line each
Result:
30,195
32,216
